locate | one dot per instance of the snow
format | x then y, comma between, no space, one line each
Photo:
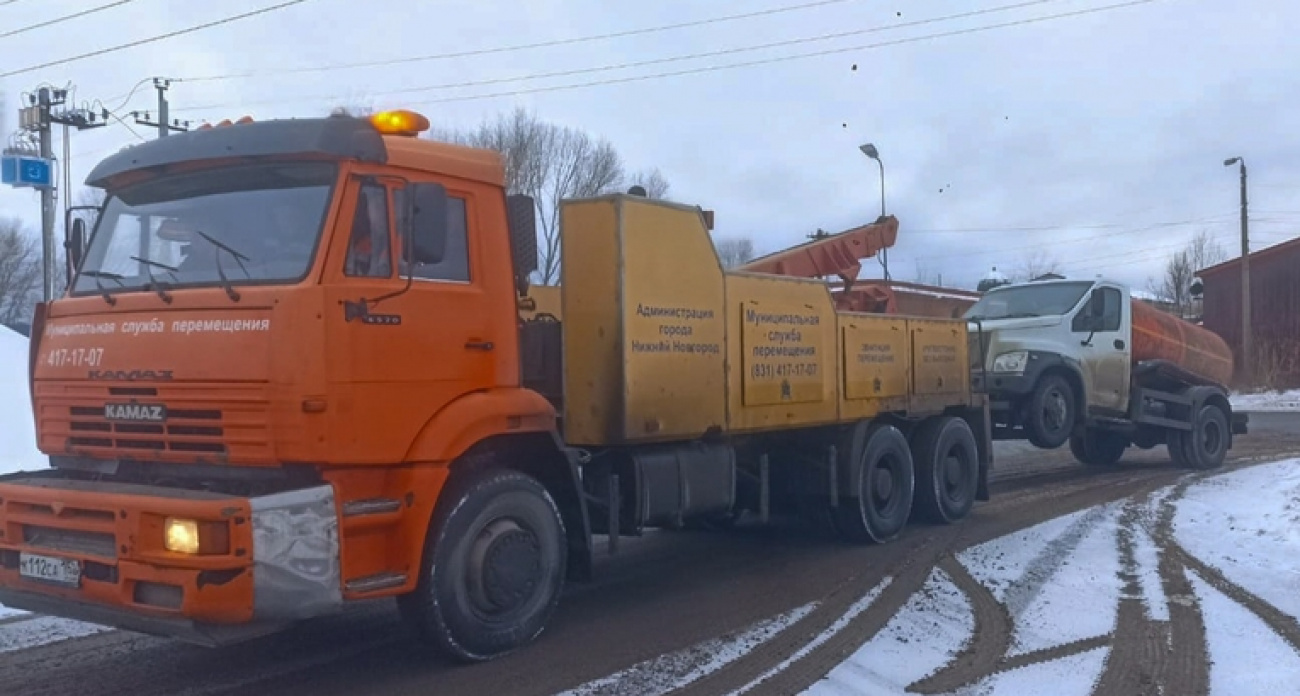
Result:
1246,657
1246,525
1075,675
30,631
676,670
17,428
1267,401
934,625
853,612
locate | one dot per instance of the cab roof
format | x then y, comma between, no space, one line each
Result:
332,137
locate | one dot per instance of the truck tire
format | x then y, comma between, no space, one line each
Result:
1206,445
947,469
493,568
1098,448
886,484
1049,412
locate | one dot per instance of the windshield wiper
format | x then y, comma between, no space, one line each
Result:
108,297
153,282
226,285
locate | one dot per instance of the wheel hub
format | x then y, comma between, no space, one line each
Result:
884,483
505,566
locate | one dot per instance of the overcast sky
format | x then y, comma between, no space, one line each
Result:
1095,140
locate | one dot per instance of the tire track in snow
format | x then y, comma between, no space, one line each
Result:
676,670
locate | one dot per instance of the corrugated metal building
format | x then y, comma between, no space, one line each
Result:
1274,304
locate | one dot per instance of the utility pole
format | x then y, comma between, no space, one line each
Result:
1247,345
43,111
164,126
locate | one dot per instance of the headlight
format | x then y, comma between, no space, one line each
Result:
1011,362
192,537
182,535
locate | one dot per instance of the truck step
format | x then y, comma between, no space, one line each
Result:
371,506
374,583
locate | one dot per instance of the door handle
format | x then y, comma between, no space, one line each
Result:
479,345
1119,344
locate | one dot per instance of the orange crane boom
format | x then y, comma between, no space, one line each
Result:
835,255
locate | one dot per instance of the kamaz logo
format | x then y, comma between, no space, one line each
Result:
148,413
131,375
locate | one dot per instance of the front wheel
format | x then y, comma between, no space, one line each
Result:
493,567
1050,412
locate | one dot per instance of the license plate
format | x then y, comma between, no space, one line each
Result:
60,571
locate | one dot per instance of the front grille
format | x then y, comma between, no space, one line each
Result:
226,422
70,541
186,430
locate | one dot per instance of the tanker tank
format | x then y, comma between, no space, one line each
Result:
1158,335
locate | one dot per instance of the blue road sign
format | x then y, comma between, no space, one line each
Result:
26,172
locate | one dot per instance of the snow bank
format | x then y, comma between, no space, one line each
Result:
1267,401
17,429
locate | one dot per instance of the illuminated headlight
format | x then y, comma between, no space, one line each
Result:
182,535
1011,362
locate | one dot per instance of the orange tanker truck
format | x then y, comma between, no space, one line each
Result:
298,366
1081,361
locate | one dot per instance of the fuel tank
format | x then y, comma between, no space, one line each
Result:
1159,335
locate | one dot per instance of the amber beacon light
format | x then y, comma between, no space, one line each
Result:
399,122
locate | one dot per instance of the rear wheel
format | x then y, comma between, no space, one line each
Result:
947,469
493,567
1206,445
886,484
1098,448
1049,414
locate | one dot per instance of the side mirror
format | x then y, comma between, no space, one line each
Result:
427,218
77,242
521,215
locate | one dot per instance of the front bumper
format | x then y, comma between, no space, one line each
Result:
282,563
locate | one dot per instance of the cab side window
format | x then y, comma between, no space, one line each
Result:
368,250
454,265
1110,314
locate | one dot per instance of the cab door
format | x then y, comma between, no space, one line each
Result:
407,339
1103,328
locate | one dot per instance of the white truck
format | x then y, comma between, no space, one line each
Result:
1083,362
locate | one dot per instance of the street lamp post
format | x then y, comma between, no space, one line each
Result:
870,151
1247,356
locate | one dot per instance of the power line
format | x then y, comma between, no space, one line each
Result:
783,59
153,39
649,62
524,47
64,18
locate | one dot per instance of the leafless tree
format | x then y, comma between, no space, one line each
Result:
734,251
653,181
926,276
1175,285
550,163
90,196
20,270
1035,264
354,110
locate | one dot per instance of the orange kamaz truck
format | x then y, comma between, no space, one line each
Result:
299,364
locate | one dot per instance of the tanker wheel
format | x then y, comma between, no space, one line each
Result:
1049,413
1206,445
493,568
886,484
1098,448
947,469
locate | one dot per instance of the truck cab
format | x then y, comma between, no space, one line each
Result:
1052,352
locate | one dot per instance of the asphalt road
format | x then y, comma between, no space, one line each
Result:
662,593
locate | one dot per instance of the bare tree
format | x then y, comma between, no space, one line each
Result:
653,181
734,251
1175,285
20,271
90,196
355,111
550,163
1035,264
926,276
1205,251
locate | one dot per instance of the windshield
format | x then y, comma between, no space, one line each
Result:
260,223
1032,300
